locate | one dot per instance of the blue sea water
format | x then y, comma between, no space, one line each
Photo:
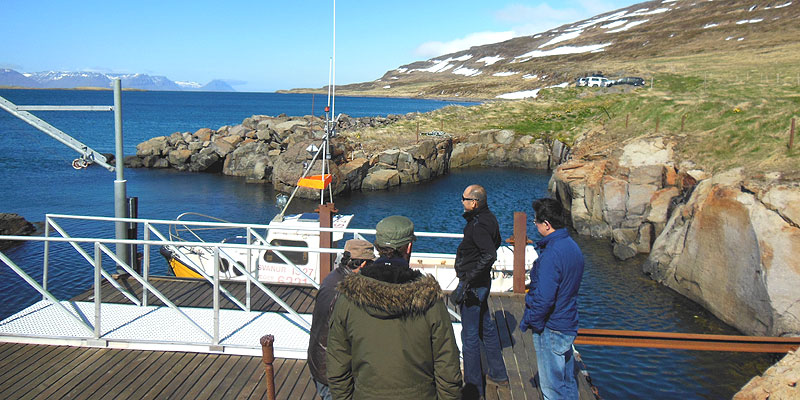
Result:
36,179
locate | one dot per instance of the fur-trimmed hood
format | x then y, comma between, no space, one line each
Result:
391,300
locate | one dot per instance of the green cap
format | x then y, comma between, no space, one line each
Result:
394,232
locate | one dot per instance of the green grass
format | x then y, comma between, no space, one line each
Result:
715,124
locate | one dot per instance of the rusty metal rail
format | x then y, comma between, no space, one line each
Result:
687,341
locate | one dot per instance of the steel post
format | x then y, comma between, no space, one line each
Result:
46,265
98,298
120,196
215,339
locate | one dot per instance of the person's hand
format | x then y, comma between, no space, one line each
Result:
457,297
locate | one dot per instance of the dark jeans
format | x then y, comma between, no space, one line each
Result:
478,329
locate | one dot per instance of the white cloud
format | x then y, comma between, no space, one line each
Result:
436,48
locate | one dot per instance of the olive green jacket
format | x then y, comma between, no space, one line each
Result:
392,341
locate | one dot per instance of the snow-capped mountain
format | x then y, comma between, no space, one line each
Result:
69,80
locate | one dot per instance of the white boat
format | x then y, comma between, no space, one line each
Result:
302,266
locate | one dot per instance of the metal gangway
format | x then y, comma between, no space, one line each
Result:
139,324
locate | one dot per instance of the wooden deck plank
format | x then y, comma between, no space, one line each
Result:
130,372
157,372
194,377
179,377
100,374
294,382
234,380
136,376
503,320
215,377
12,362
72,381
523,348
20,366
252,382
67,373
167,377
39,371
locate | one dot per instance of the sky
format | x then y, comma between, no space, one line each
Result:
268,45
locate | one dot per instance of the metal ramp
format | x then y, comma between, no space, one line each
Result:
161,328
157,328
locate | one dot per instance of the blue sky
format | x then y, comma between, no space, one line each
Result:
264,45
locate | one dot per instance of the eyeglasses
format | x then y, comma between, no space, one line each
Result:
467,199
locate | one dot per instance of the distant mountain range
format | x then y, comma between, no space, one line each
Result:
70,80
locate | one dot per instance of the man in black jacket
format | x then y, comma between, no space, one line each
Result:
357,254
474,259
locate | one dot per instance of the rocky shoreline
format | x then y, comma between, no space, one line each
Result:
273,150
14,225
725,240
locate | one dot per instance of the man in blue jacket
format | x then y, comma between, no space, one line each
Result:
551,305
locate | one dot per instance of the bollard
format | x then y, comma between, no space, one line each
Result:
267,357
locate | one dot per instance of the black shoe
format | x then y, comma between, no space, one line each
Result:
502,384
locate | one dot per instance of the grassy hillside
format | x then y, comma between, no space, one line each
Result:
715,121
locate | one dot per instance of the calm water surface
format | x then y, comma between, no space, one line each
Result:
35,179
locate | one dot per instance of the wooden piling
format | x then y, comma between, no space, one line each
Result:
519,240
268,357
326,212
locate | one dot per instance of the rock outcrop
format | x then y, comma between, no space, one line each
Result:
14,225
502,148
780,381
732,248
726,242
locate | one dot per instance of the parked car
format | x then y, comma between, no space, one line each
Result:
582,81
596,81
629,80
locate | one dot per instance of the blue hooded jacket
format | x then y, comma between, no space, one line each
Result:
556,275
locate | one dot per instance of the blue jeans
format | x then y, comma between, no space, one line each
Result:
556,364
478,329
323,391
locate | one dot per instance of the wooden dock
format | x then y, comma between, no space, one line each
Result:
30,371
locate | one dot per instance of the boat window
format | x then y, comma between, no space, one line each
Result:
296,257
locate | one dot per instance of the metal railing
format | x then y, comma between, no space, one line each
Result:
100,247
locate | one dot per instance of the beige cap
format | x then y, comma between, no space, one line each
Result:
360,249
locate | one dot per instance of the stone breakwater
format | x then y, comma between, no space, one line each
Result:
273,149
727,242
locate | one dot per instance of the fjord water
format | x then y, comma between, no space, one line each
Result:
35,179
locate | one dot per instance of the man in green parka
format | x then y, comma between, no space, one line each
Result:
390,334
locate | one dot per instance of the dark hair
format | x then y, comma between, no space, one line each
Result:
352,263
388,252
549,210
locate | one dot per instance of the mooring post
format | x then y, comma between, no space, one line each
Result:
519,241
267,357
325,239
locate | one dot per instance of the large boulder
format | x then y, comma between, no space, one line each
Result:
250,160
730,252
156,146
381,179
290,165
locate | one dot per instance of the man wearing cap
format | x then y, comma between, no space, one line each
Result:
474,259
357,254
390,333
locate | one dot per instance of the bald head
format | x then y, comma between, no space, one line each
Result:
476,192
